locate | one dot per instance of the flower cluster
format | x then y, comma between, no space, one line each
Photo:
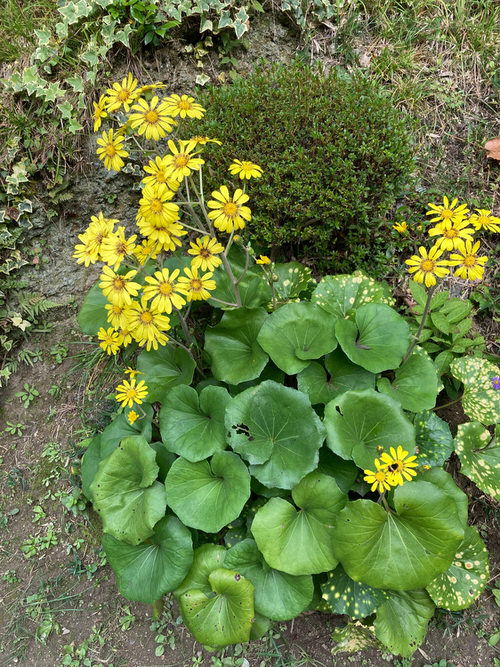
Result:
454,233
130,394
391,470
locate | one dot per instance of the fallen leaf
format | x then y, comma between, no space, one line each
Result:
493,148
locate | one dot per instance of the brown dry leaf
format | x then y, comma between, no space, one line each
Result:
493,148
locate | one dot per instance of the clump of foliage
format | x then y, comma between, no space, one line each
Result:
292,445
337,155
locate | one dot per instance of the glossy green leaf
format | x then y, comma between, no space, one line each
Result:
125,492
359,422
92,315
401,550
235,354
296,333
301,541
415,383
344,472
443,480
207,558
378,338
480,400
401,621
479,456
293,280
209,494
192,425
341,295
343,595
144,572
433,438
163,369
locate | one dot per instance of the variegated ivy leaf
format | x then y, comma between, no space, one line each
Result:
480,399
465,579
480,457
343,595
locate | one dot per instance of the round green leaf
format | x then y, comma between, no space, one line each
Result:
232,345
433,438
209,494
207,558
126,494
401,621
223,618
399,550
192,426
465,579
359,422
415,383
278,595
446,483
342,294
163,369
345,596
344,472
145,572
296,333
479,457
92,315
480,400
276,430
300,541
377,340
293,279
164,459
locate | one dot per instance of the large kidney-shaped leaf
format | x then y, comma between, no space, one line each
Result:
479,457
293,279
342,294
465,579
401,621
433,438
126,494
278,595
377,340
301,541
209,494
207,558
343,595
192,426
415,383
480,400
163,369
359,422
92,315
443,480
399,550
235,354
296,333
276,430
145,572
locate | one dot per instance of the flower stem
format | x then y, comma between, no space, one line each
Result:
157,609
416,338
445,405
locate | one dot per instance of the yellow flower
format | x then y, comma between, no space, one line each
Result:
122,94
427,267
126,335
184,106
155,205
469,265
401,227
452,233
111,150
131,372
117,315
111,340
163,235
164,291
128,393
229,211
132,416
263,259
146,325
448,211
182,161
484,219
205,251
116,247
86,252
245,169
157,170
146,250
379,479
100,228
151,119
197,286
204,140
99,112
150,86
118,289
398,465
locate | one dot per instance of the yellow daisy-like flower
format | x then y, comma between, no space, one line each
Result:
126,335
132,372
379,478
183,106
204,140
155,205
130,393
99,112
426,267
100,228
111,340
401,227
122,94
116,247
245,169
150,86
449,211
205,251
117,315
111,150
118,289
469,265
165,236
86,252
164,290
263,259
151,119
399,464
229,211
182,161
157,170
452,233
484,219
197,287
132,417
147,324
148,249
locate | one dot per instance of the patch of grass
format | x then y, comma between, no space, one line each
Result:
18,20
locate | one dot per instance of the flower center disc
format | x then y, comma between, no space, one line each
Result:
196,285
184,105
205,253
230,209
181,160
469,260
110,150
152,116
446,214
156,205
146,317
427,265
451,233
118,283
165,288
123,95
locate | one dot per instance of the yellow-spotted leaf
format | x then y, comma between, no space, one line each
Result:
342,294
479,456
343,595
481,399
